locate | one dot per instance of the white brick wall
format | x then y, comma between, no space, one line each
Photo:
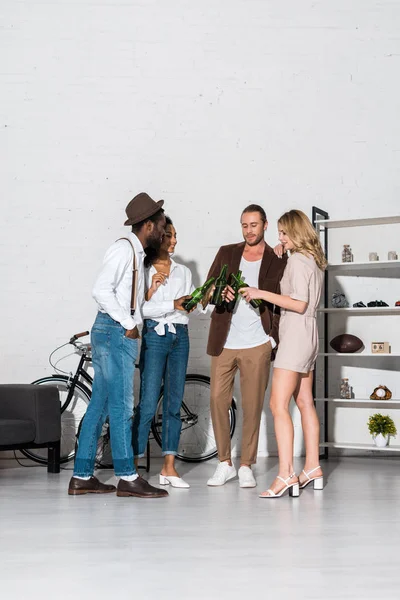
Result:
208,105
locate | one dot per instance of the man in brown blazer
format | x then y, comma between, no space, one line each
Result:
243,339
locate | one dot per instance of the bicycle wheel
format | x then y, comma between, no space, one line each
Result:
103,459
197,442
71,416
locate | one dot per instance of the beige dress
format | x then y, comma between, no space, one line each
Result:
298,333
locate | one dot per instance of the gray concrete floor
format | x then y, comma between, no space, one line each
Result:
208,543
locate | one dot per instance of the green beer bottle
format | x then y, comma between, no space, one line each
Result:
198,295
220,285
238,283
233,283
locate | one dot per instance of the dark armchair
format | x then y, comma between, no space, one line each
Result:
30,417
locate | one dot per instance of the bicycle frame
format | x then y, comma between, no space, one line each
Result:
80,372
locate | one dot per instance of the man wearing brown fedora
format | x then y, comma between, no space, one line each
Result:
119,293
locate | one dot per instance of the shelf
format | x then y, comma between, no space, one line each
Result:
359,354
361,269
350,446
372,403
362,266
329,224
379,310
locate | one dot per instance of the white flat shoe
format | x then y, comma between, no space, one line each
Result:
176,482
294,489
318,481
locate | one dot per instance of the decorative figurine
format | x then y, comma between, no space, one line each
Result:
392,255
339,300
375,303
345,389
373,256
381,393
347,256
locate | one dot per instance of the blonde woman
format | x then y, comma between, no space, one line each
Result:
297,351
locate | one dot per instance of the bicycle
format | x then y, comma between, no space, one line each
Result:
197,441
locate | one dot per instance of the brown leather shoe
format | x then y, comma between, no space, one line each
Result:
139,488
77,487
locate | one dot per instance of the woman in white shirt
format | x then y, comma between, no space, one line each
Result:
164,353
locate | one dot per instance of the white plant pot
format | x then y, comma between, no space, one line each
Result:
381,440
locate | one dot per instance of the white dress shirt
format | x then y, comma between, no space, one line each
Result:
113,288
160,307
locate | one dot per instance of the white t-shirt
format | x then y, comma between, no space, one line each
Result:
246,330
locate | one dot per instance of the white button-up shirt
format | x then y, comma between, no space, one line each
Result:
160,307
113,288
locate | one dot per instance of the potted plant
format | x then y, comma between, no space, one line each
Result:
381,427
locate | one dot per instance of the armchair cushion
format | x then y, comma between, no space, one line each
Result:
37,403
16,431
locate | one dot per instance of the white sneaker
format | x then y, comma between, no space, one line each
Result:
223,473
246,477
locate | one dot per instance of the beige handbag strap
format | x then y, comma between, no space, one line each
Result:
134,277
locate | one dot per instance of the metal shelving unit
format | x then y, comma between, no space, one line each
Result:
323,224
384,310
360,266
366,401
360,354
349,445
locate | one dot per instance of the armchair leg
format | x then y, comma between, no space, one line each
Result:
53,459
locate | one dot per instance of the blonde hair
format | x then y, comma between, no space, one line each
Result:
303,235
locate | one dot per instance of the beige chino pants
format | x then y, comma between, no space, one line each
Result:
254,366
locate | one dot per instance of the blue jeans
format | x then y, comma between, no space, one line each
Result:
162,358
113,357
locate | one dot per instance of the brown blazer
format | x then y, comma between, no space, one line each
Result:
271,272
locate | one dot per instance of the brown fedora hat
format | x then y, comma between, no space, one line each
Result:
141,207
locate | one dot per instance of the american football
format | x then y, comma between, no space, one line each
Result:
346,343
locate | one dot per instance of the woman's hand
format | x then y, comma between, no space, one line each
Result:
158,279
206,300
279,250
251,293
178,303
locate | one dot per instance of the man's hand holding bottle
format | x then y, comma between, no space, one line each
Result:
228,294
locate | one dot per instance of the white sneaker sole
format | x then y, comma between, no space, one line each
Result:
220,484
247,484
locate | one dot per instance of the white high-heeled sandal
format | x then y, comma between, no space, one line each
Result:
318,481
294,490
176,482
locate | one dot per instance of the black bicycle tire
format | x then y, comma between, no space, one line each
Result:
48,380
185,458
67,379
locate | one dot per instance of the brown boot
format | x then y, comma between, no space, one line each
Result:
139,488
77,487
